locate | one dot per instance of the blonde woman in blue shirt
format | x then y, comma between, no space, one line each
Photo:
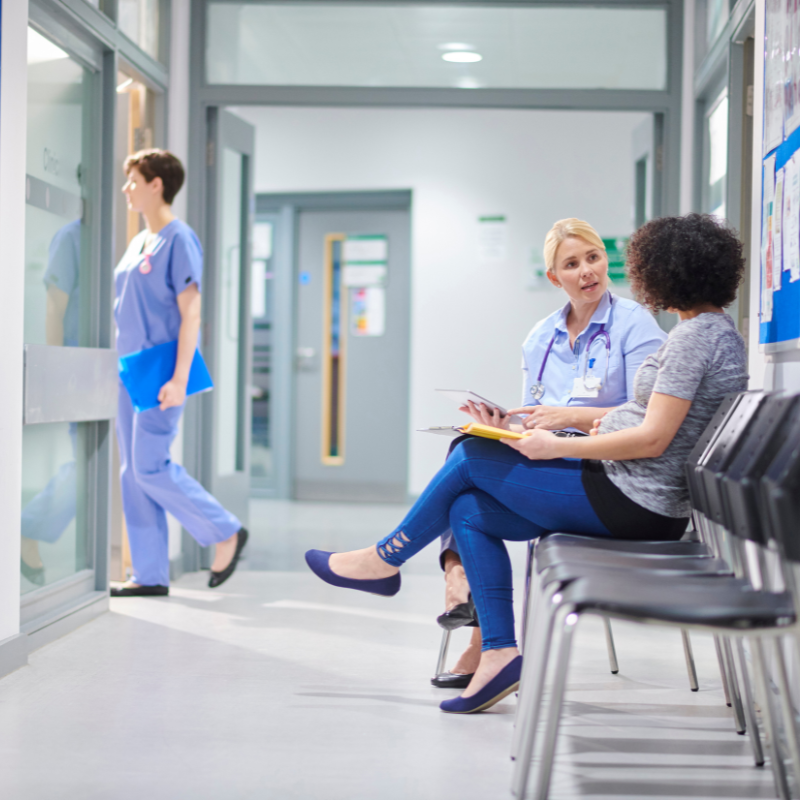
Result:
576,364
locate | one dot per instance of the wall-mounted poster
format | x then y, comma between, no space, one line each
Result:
368,311
774,75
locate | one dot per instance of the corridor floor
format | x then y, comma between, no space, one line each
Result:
279,687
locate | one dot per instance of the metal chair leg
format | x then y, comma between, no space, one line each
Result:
733,684
749,703
723,673
443,648
534,671
567,625
612,650
771,732
527,594
787,710
690,667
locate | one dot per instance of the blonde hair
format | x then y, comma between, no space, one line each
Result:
564,229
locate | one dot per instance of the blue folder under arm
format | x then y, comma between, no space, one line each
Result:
144,373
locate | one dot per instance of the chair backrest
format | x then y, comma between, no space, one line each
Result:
704,443
739,487
780,493
724,450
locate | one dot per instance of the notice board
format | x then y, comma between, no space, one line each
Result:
779,312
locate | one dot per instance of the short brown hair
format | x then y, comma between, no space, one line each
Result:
157,163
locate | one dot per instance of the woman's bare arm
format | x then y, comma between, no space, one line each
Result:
664,416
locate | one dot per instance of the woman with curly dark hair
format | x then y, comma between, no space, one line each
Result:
626,481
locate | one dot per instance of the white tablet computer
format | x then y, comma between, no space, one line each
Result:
461,396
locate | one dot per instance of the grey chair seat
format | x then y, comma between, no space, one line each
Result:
719,603
568,571
606,558
681,548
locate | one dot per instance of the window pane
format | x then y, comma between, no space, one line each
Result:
261,299
139,21
53,532
717,158
230,259
436,46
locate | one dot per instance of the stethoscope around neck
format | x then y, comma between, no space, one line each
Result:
590,382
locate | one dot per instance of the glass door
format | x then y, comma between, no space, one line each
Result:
262,472
228,312
70,384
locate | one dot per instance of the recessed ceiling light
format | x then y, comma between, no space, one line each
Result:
459,57
456,46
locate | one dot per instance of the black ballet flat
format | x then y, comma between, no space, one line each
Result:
34,574
451,680
462,616
140,591
218,578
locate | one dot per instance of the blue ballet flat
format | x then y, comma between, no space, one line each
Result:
505,682
318,560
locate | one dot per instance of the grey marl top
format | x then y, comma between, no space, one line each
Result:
702,360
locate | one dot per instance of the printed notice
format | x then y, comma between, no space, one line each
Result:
777,232
791,219
368,311
766,240
492,239
774,76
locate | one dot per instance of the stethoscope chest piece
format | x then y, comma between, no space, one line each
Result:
537,391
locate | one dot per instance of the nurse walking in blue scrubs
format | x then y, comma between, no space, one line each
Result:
158,285
577,364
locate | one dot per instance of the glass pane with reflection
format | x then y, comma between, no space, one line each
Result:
261,460
140,21
54,543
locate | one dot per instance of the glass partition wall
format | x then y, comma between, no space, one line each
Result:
71,200
58,235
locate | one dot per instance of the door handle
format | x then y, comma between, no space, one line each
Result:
305,359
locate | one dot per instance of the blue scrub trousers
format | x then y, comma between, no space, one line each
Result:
488,492
48,514
152,486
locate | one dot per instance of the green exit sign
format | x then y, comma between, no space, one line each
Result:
615,250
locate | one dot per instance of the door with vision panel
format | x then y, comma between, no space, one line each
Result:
352,356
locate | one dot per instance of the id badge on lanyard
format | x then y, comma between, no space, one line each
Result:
579,389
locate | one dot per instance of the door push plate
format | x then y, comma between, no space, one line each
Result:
69,384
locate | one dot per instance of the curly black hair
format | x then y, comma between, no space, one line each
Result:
685,262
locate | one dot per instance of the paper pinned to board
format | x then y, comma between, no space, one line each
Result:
766,239
774,75
777,231
791,219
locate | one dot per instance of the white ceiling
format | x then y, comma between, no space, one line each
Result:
349,45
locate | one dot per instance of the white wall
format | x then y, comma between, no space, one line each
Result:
13,100
468,319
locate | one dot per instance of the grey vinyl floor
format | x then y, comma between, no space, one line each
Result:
277,686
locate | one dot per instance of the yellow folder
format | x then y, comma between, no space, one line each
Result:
489,432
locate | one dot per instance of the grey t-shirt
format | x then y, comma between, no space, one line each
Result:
702,360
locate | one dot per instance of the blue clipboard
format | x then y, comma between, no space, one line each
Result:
144,373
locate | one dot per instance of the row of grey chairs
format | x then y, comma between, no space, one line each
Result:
744,479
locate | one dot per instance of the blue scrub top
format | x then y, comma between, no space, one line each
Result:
63,272
147,285
634,335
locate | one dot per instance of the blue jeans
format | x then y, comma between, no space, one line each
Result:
488,492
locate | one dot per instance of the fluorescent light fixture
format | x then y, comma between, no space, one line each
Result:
124,85
460,57
41,50
456,46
